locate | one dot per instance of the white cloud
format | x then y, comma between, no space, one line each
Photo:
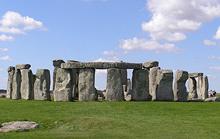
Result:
4,37
5,58
217,35
214,57
145,45
172,19
3,49
209,43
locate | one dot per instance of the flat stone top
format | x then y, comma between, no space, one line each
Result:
23,66
150,64
195,74
101,65
57,62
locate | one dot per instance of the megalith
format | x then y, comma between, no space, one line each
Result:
150,64
124,77
57,64
63,85
86,86
127,90
192,88
179,89
114,89
11,72
164,90
205,88
26,84
16,85
153,82
140,85
42,85
199,80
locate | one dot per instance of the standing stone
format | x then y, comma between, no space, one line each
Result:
42,85
199,80
57,65
164,85
11,72
192,86
124,77
26,84
127,90
16,85
23,66
75,82
205,88
140,85
63,85
153,82
114,89
180,91
87,91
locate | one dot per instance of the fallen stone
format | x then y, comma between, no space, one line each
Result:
87,91
114,89
153,82
195,100
180,91
63,85
164,85
11,72
42,85
212,99
150,64
23,66
140,85
26,84
18,126
101,65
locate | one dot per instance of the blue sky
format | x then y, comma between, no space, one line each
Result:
180,34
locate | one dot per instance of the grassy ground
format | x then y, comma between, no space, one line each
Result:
101,120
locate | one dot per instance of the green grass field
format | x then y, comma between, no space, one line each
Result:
101,120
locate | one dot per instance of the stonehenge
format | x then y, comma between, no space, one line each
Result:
75,81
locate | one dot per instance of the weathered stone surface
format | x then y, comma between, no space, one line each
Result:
127,90
101,65
194,75
150,64
212,99
205,88
63,85
75,82
153,82
16,85
27,84
87,91
192,86
114,89
124,76
72,61
57,63
11,72
180,91
18,126
199,81
164,85
42,85
140,85
23,66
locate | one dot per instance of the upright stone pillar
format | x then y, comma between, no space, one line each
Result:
11,72
42,85
57,65
179,90
153,82
205,88
140,85
165,85
199,80
114,89
124,77
63,85
16,85
192,86
87,91
127,90
75,82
